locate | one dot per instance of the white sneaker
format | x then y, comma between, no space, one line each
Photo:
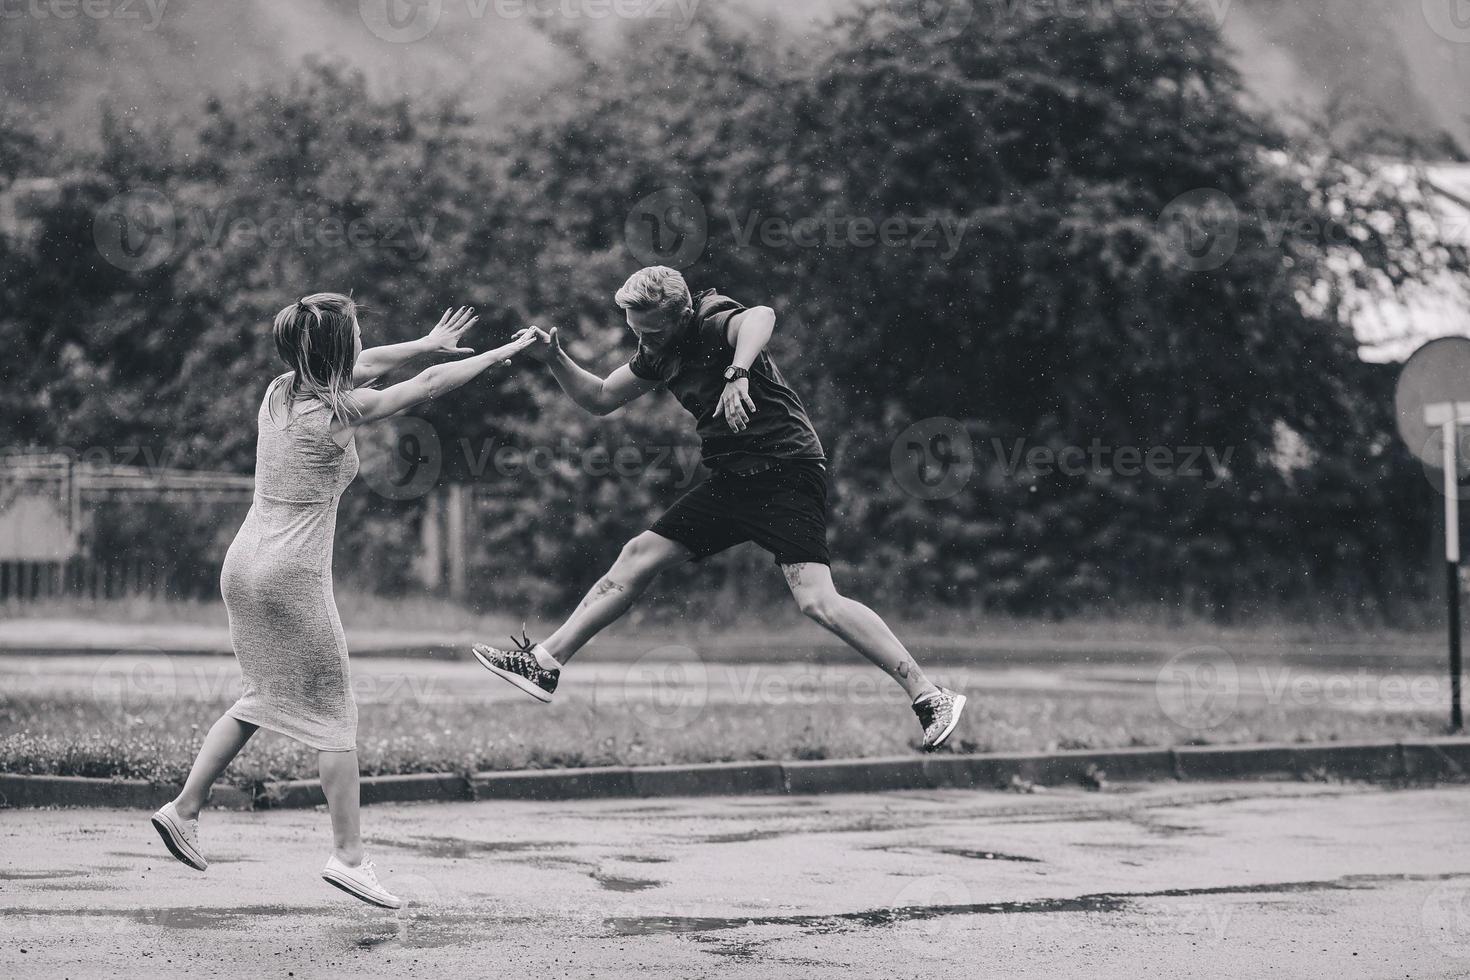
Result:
360,882
180,836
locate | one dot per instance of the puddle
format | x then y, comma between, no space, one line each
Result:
1169,829
426,929
163,855
81,886
67,879
618,883
773,802
659,925
656,925
960,852
451,848
364,928
985,855
806,824
552,861
216,918
194,917
38,875
743,836
736,951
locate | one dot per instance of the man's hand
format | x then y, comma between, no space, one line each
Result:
547,346
736,404
445,337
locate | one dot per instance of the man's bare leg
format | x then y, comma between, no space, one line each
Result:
860,627
640,563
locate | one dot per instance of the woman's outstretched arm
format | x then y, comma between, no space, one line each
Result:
429,384
443,339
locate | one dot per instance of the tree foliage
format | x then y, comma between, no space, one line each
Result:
1058,314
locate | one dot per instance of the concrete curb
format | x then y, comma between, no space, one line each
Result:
553,784
134,794
1424,760
427,787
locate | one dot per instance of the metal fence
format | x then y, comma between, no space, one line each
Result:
74,528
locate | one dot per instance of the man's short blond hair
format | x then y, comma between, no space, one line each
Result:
655,288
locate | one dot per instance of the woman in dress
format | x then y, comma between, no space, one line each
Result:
277,576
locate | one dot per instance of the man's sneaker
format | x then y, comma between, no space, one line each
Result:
520,667
360,882
180,836
939,713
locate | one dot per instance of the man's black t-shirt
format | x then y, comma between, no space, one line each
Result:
693,369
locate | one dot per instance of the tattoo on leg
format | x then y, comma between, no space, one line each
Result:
793,574
904,667
601,589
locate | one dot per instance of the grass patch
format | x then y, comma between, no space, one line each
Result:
82,736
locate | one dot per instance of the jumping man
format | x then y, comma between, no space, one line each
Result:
768,484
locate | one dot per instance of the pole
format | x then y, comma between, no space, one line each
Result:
1452,564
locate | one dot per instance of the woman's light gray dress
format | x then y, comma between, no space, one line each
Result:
277,583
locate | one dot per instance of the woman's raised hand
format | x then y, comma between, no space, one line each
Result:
445,337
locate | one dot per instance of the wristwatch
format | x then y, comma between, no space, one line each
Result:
733,373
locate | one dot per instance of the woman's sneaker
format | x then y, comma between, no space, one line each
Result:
360,882
180,836
939,713
521,667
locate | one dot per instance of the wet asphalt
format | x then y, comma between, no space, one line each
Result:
1270,879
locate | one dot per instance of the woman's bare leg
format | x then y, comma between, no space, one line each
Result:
225,740
340,784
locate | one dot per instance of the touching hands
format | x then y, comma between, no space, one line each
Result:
446,335
544,345
736,404
521,341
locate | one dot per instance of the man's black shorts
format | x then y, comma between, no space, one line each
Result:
783,509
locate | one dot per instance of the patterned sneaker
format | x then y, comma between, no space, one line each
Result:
360,882
180,836
520,667
939,713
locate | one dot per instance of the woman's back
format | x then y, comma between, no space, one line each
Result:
296,459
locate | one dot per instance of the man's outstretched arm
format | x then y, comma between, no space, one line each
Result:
599,396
